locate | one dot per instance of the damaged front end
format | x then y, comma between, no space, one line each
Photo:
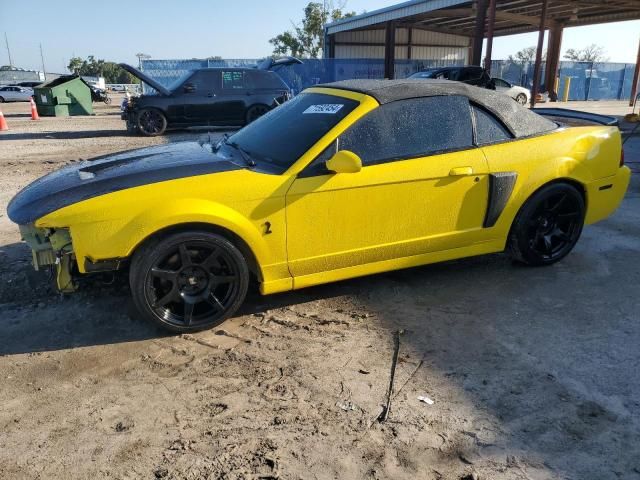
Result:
52,249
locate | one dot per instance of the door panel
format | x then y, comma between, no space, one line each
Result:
202,104
385,211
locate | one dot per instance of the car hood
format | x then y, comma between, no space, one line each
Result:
111,173
146,79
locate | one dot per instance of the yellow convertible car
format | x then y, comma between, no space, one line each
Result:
347,179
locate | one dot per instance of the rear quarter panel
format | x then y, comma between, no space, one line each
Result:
587,156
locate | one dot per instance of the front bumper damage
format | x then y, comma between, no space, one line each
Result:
52,249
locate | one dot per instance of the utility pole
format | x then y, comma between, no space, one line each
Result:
44,71
6,40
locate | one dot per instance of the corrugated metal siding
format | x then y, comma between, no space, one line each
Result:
359,51
441,46
436,38
362,36
394,12
439,53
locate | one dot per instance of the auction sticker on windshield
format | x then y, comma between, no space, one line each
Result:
330,108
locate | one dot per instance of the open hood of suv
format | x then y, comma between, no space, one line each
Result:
269,63
146,79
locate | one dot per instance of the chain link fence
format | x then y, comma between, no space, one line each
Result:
588,80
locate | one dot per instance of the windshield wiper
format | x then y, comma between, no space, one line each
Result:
243,153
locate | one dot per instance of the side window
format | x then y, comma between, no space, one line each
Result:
232,79
488,128
411,128
257,79
501,83
204,81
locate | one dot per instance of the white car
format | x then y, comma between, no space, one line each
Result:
13,93
519,94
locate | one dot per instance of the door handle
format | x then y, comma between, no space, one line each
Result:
211,95
460,171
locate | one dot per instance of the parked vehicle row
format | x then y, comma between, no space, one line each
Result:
479,77
207,97
15,93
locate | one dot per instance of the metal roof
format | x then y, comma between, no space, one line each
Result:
512,16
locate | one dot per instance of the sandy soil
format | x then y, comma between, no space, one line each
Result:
534,373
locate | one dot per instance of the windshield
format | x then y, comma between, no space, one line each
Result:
284,134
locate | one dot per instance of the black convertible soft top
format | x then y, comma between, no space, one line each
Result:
522,121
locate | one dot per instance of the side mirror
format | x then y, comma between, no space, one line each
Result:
189,88
344,161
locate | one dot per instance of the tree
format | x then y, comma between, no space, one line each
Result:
526,55
305,40
591,53
92,67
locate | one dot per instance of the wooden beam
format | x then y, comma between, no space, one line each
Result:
634,85
536,70
490,27
478,32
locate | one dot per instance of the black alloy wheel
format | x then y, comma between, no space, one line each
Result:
256,112
151,122
189,281
548,225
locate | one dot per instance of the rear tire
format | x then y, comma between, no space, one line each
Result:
151,122
548,225
188,281
1,99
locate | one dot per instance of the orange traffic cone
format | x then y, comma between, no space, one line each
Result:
3,123
34,111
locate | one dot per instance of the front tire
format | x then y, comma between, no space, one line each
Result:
151,122
1,99
188,281
548,226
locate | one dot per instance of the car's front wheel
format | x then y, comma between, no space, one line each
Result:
151,122
188,281
548,226
521,98
1,99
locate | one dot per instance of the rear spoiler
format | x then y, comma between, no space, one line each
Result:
576,117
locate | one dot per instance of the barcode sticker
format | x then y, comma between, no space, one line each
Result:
330,108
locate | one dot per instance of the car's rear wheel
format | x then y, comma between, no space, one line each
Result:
521,98
548,226
151,122
188,281
1,99
256,112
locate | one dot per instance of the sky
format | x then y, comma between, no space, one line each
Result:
116,30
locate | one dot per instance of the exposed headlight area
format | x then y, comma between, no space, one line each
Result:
52,248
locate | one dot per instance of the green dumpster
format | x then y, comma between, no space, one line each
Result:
64,96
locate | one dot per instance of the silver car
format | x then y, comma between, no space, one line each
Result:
13,93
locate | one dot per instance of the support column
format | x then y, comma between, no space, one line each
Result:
409,40
636,75
478,32
536,70
490,26
389,50
332,46
553,60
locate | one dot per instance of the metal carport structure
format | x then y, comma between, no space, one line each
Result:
480,19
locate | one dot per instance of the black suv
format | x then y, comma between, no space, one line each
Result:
207,97
471,75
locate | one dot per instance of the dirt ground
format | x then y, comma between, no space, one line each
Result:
534,373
